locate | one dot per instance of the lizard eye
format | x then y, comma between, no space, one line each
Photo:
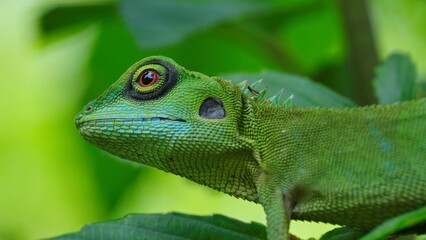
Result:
151,80
148,78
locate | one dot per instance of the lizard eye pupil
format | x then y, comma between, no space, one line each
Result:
148,78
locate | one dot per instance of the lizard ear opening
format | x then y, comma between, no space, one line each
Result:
212,108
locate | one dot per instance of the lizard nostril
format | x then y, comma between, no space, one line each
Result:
89,109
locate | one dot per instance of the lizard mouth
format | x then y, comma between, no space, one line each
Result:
112,121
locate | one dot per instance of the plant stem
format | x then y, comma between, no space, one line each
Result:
362,54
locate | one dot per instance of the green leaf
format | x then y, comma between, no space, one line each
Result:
305,91
170,226
396,79
342,233
70,16
413,219
157,23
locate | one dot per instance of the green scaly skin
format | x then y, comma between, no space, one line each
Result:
356,167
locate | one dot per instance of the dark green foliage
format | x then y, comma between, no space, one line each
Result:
170,226
343,233
175,20
402,223
69,16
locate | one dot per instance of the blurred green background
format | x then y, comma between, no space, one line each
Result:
58,55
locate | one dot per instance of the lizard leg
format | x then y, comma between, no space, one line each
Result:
277,207
397,224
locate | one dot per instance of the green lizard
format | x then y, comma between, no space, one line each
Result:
356,167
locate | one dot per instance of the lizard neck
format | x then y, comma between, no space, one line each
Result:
271,141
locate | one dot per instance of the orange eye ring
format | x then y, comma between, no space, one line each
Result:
148,78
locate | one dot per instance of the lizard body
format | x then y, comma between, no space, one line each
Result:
356,167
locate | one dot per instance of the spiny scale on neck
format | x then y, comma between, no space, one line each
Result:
254,92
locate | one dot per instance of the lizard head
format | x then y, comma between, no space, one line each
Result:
179,121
